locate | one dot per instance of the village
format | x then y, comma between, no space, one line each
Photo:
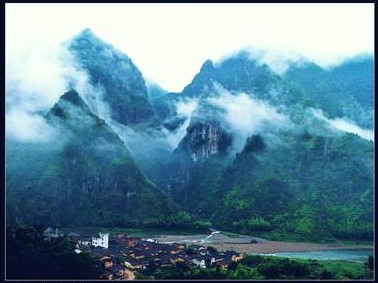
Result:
122,256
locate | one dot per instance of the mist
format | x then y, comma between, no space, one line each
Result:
184,109
277,60
344,125
37,74
245,115
25,127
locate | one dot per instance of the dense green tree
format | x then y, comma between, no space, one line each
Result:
32,256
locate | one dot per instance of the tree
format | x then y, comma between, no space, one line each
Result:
31,256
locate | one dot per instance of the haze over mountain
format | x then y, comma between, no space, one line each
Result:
243,147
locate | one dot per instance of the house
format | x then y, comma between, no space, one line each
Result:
155,262
85,241
212,261
178,246
175,260
165,261
99,252
140,256
106,260
107,275
237,258
174,252
196,247
52,233
105,257
117,270
102,240
136,264
181,247
131,241
229,255
74,236
221,263
201,263
136,255
108,263
120,237
150,240
77,249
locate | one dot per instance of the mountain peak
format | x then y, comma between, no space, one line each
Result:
73,97
207,66
86,33
122,82
64,105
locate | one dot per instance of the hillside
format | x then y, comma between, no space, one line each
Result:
242,148
90,178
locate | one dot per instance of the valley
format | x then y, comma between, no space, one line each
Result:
285,157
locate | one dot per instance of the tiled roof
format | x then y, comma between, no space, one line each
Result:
116,268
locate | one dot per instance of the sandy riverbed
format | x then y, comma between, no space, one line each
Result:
243,244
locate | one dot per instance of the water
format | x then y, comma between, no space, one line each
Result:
350,255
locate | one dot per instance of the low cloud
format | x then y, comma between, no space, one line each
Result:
185,110
25,127
279,62
37,74
245,114
344,125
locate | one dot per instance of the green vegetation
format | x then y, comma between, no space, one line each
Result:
300,182
29,255
283,192
87,178
343,91
264,267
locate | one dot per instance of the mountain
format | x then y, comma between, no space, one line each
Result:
342,91
241,148
91,179
309,186
121,84
119,87
303,178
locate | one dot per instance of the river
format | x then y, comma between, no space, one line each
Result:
244,244
342,254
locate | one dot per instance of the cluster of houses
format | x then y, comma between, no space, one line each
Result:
121,256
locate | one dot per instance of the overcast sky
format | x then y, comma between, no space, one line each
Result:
169,42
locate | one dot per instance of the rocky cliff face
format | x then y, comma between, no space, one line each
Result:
206,142
205,139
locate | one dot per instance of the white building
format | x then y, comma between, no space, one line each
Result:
86,241
78,250
52,233
102,241
200,263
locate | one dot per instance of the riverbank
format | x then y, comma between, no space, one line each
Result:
248,244
270,247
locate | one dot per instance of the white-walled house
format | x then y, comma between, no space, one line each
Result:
200,263
78,250
85,241
101,241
